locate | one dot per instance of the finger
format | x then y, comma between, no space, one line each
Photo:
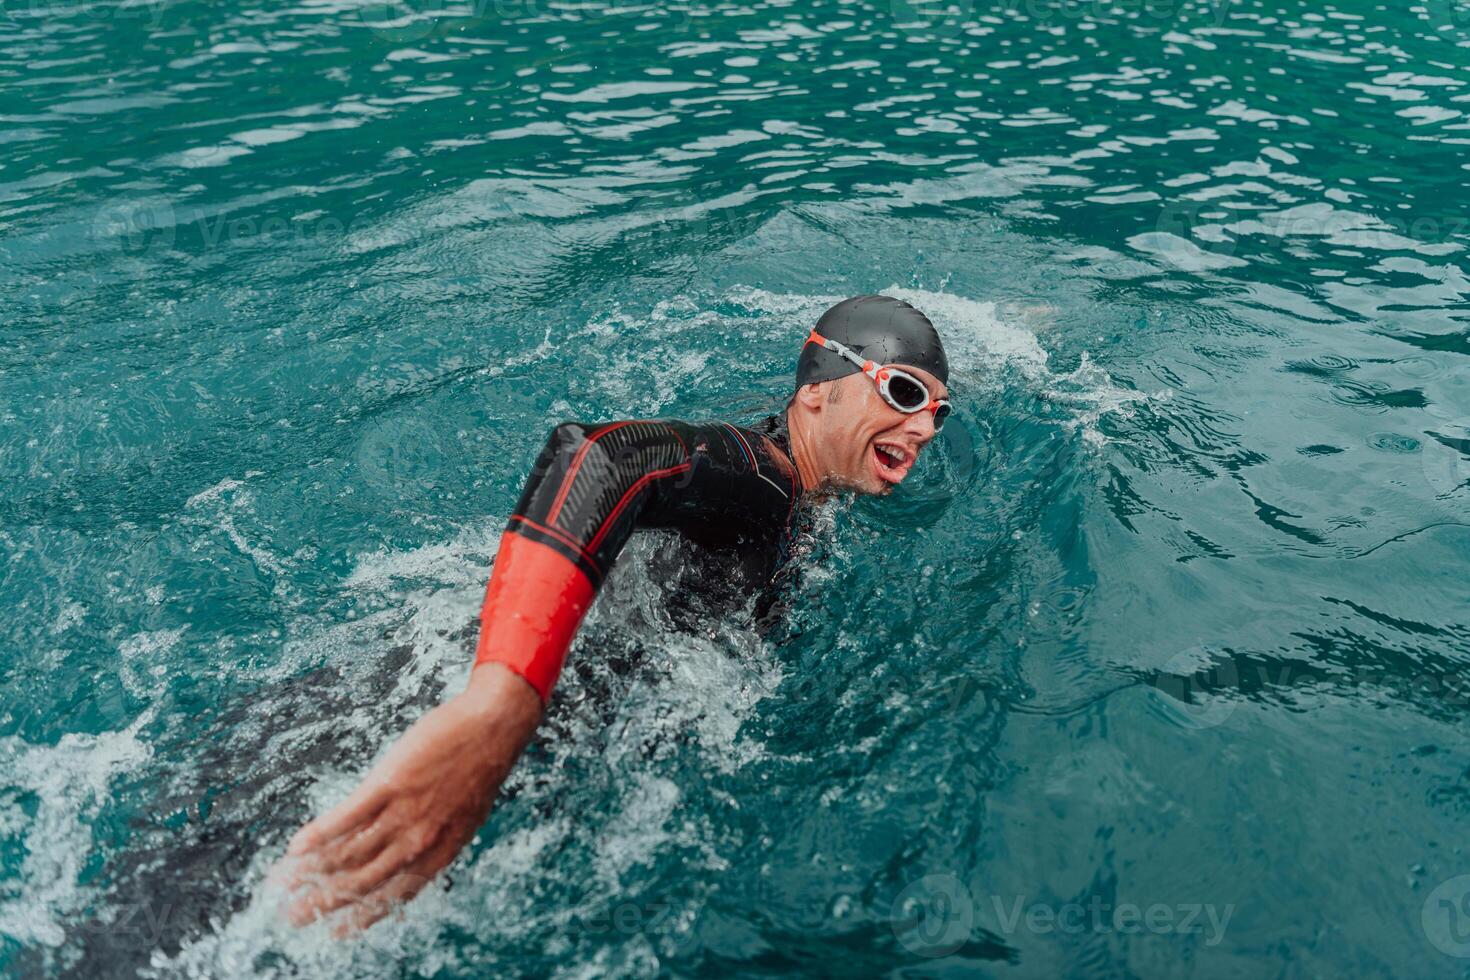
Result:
285,873
286,879
347,853
365,803
343,854
379,903
331,892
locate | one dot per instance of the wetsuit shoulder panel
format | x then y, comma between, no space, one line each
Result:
591,487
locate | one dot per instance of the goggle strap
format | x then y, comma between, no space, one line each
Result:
872,370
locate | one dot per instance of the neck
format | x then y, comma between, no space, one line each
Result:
801,451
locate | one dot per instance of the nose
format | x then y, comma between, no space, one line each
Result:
920,425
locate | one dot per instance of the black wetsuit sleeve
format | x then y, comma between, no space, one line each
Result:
593,485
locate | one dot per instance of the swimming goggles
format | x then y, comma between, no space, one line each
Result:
901,390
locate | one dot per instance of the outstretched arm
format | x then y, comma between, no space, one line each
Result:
426,798
417,807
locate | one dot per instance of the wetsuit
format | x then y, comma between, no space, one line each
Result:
724,486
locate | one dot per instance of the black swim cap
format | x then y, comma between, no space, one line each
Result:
879,328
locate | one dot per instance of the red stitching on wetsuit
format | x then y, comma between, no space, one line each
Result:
561,536
639,484
566,486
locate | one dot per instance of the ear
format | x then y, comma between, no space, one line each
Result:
814,395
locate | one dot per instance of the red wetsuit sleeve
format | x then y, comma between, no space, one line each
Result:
534,603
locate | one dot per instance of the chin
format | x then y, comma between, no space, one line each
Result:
869,485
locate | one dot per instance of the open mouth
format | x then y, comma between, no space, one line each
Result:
892,462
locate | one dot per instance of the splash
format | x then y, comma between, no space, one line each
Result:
705,686
69,783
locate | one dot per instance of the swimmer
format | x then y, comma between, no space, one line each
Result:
871,391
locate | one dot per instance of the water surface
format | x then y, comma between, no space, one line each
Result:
1171,621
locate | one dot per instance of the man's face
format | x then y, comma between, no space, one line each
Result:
866,444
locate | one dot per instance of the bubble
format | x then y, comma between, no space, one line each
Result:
1420,367
1325,366
1393,442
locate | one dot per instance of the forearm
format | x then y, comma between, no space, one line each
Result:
496,714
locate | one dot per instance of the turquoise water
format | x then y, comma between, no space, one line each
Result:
1154,669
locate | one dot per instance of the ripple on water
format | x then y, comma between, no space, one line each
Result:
291,291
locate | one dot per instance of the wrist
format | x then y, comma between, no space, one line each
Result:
499,698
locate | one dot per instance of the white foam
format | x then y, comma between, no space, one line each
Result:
213,500
464,560
69,781
975,336
978,339
702,685
141,660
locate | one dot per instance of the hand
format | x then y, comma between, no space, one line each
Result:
415,810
